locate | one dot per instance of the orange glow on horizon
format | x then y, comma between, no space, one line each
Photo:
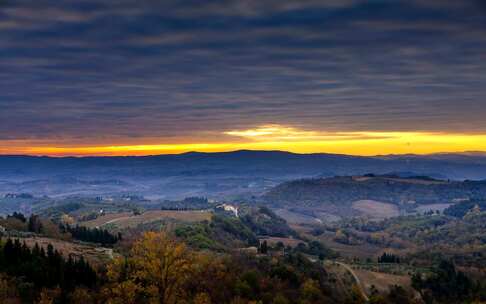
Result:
277,137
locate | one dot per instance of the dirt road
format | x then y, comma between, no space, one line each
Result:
358,282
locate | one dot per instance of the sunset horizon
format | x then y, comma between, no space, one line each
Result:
274,137
345,76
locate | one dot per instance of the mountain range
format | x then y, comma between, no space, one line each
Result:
237,174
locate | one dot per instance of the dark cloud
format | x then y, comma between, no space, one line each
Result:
111,69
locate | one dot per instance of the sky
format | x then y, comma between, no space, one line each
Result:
146,77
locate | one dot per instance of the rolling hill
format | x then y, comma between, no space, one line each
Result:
340,195
228,174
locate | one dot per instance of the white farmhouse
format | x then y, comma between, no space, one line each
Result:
229,208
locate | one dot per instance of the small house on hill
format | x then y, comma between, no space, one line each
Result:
228,208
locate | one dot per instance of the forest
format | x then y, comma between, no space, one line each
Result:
251,259
26,272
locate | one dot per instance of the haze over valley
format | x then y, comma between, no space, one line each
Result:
214,175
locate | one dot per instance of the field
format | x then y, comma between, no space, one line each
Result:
296,218
128,219
381,281
362,251
376,209
286,241
91,253
367,279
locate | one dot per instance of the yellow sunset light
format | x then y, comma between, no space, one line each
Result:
285,138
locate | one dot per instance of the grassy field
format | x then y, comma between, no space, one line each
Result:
128,219
92,253
382,281
361,251
296,218
377,210
367,278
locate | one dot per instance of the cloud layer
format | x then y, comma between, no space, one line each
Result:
136,71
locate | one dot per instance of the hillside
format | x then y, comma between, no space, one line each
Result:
251,249
340,194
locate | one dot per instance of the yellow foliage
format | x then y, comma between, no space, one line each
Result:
202,298
280,299
356,295
239,300
157,269
48,296
81,296
8,290
311,291
66,219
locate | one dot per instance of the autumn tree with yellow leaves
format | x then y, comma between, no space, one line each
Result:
157,270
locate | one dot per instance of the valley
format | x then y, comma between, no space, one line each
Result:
227,175
368,236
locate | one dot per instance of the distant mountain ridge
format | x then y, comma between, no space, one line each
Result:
215,174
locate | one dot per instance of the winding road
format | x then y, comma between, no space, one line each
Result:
358,282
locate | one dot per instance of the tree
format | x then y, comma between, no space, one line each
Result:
95,235
398,295
66,219
311,292
18,216
81,296
8,290
264,247
35,224
280,299
43,270
202,298
356,296
445,284
388,258
158,268
124,292
49,296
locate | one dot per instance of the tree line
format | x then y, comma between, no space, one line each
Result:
388,258
448,285
160,269
38,268
38,225
95,235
